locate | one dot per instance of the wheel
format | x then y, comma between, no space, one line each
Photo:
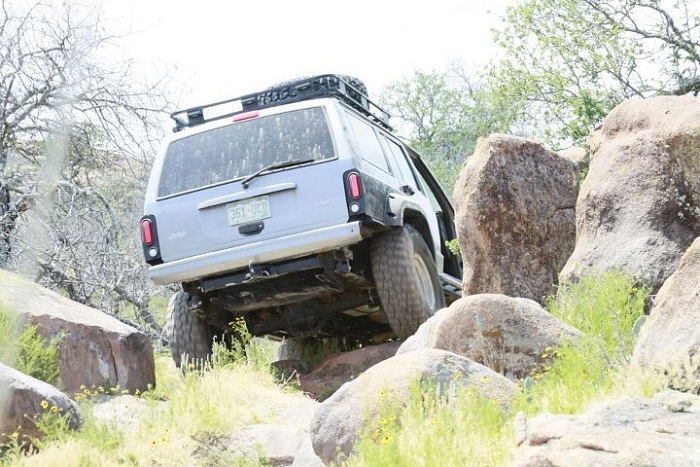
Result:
189,337
406,279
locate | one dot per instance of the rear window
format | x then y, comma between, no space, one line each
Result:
234,151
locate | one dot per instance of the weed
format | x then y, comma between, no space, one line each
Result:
37,357
23,348
453,247
431,429
14,447
604,308
240,347
53,423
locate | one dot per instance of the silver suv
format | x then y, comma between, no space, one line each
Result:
297,209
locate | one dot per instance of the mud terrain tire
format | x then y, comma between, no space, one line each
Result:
189,337
406,278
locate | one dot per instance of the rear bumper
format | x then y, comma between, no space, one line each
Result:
231,259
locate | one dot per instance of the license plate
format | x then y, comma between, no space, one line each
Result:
248,210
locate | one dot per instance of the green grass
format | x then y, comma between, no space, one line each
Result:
433,431
604,308
185,421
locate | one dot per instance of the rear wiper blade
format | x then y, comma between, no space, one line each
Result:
277,165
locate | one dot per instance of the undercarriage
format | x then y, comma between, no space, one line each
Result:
330,294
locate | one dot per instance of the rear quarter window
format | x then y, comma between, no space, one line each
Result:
368,142
401,160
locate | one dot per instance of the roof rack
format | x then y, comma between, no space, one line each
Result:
286,93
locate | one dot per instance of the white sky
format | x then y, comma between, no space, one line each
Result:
223,49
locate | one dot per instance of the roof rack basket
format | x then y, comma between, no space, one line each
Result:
293,91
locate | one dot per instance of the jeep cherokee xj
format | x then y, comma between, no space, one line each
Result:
297,209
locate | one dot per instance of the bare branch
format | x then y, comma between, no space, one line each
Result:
74,227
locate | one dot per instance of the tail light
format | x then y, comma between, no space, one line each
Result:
149,240
354,193
354,184
147,233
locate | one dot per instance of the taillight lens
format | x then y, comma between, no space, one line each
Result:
354,184
147,232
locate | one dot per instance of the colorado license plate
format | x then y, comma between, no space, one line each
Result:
248,210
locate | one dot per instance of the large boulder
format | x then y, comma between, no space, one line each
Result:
514,204
634,432
340,419
24,400
124,411
511,336
639,207
95,349
273,444
285,441
306,457
338,369
669,340
577,155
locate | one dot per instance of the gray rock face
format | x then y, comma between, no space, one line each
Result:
274,444
669,340
23,398
124,412
95,349
631,432
283,443
638,208
306,457
514,205
577,155
338,421
508,335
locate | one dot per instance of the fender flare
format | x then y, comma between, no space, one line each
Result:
396,205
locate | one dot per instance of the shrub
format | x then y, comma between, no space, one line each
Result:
604,308
23,348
